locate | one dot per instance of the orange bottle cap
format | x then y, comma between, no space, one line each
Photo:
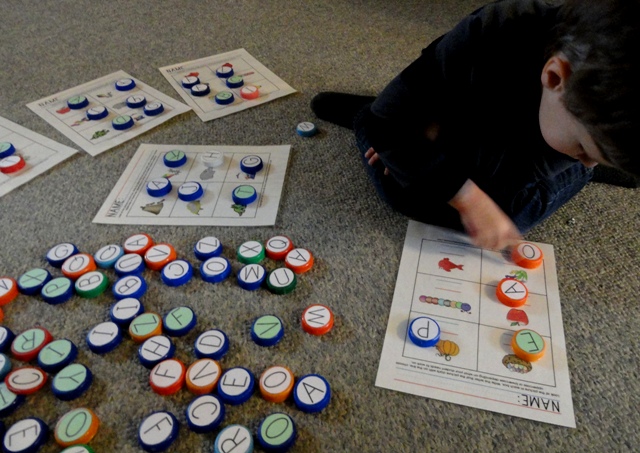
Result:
317,319
76,266
145,326
138,243
78,426
299,260
8,290
202,376
512,292
159,255
276,384
278,247
528,345
167,377
527,255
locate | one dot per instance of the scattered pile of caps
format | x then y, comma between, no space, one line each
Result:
168,375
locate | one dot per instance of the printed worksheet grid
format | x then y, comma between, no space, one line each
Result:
240,66
483,339
104,94
216,201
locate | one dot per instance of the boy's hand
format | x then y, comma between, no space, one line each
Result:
488,226
373,158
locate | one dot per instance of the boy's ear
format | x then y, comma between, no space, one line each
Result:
555,73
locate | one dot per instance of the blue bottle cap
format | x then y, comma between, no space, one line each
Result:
224,71
104,337
154,108
244,195
212,344
57,291
57,355
5,366
312,393
130,286
205,413
158,431
130,264
136,101
189,81
424,332
159,187
237,436
155,349
207,247
190,191
224,98
32,281
179,321
6,149
71,382
97,113
177,273
9,401
25,436
277,433
200,90
236,386
107,256
174,158
6,338
306,129
125,310
125,84
251,164
267,330
215,269
58,254
122,122
251,276
235,81
77,102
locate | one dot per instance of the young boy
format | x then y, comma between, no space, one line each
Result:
499,122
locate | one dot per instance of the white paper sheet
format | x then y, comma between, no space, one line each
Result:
130,204
40,154
97,136
269,85
476,367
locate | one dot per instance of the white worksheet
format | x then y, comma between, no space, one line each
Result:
39,153
443,277
263,85
130,203
99,135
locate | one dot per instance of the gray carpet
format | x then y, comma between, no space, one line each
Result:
328,206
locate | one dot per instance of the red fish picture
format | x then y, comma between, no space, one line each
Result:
446,264
193,74
63,110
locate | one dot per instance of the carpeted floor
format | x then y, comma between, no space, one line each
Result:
328,206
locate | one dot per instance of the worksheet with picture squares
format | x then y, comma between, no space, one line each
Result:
443,277
254,74
129,203
110,95
38,152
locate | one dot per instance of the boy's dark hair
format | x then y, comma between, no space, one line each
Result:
601,40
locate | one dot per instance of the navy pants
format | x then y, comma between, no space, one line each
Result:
553,181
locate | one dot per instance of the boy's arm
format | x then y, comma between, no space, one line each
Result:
487,225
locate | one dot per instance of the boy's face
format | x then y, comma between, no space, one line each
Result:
564,133
560,129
